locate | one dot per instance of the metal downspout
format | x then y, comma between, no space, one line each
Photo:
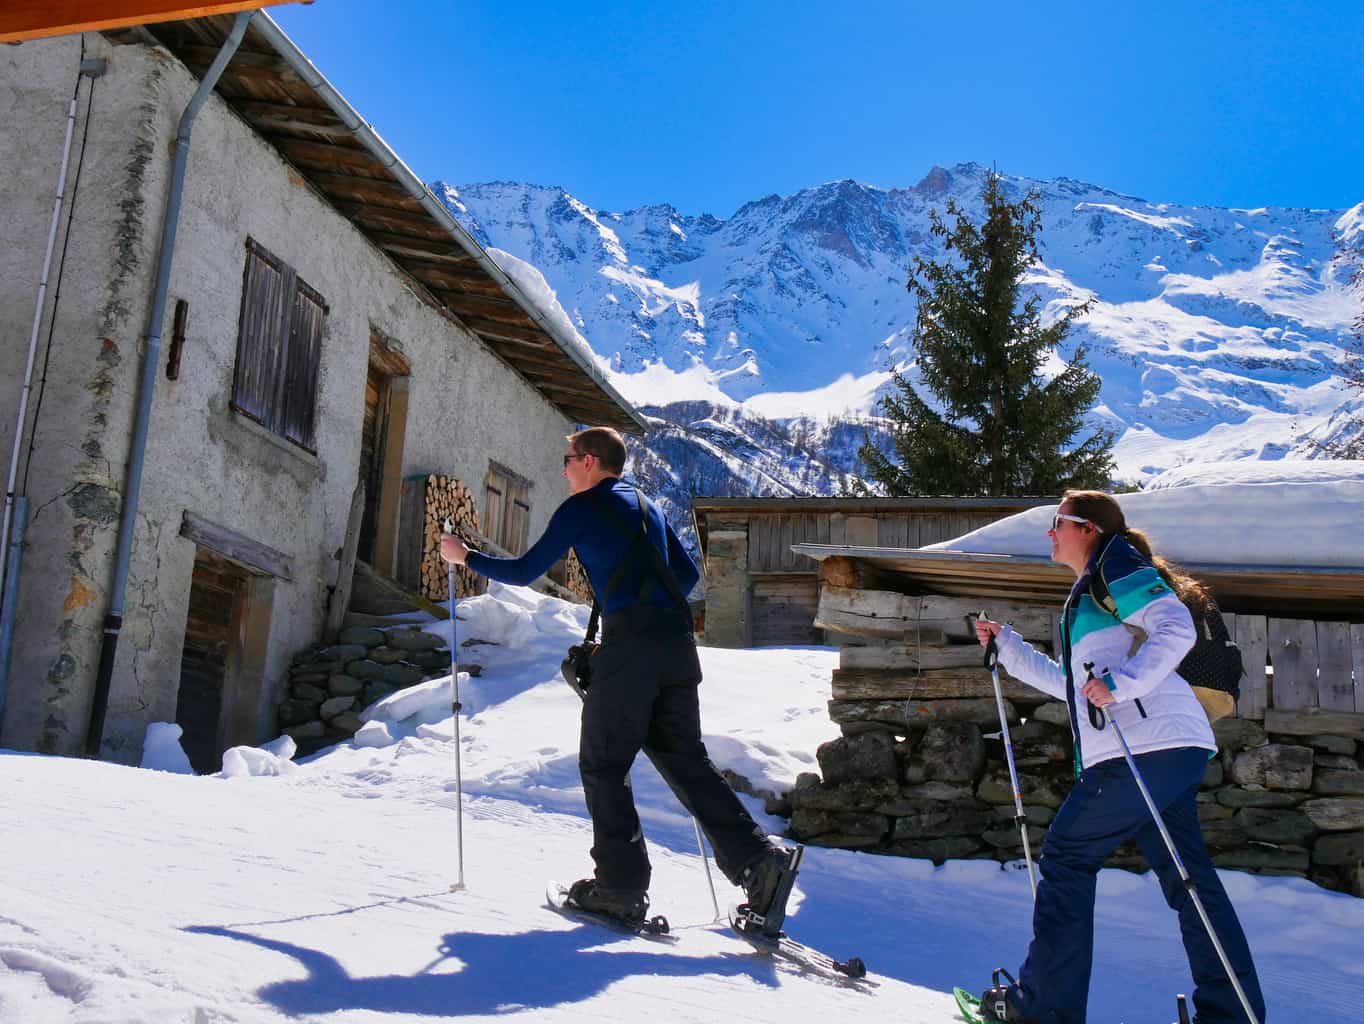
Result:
11,595
113,621
417,189
33,335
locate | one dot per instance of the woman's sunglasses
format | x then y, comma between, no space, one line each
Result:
1060,517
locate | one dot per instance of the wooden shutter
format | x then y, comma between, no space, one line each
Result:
267,289
495,505
279,348
302,357
517,527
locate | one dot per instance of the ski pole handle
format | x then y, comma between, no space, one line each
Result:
1096,714
991,648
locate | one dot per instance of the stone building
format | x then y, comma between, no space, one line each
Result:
325,321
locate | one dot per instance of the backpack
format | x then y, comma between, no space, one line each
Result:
1213,666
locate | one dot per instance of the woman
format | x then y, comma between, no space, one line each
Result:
1124,663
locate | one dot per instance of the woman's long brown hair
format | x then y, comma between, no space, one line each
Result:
1104,512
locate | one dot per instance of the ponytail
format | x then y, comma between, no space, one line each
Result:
1104,512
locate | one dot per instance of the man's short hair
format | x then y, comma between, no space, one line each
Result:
604,443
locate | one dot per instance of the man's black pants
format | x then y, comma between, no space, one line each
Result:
643,697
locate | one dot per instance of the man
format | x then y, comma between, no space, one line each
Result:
644,681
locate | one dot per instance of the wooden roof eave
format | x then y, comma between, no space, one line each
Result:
1323,592
289,103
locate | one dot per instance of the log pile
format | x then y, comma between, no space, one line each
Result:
920,769
447,498
575,577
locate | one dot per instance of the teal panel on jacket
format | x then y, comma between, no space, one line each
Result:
1136,590
1087,617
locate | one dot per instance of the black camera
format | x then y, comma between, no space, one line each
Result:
577,667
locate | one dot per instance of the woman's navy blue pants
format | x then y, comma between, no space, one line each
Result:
1104,809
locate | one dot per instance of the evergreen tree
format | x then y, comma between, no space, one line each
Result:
1003,428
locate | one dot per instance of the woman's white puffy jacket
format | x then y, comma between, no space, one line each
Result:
1154,705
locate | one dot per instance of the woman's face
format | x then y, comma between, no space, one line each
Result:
1071,541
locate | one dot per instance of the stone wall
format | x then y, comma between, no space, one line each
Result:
330,685
1289,802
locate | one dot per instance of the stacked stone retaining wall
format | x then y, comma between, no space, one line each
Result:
330,685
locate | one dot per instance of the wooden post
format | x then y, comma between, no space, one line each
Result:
1292,652
1357,649
1335,688
1252,636
345,572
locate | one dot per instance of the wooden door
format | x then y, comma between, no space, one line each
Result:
216,589
372,457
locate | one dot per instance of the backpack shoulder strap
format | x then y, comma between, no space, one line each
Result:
661,568
1098,591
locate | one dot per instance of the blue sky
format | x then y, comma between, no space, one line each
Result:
707,105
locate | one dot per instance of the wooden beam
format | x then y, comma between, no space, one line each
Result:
406,245
365,190
512,334
331,157
399,222
36,19
933,684
345,571
471,277
203,56
276,118
561,388
502,310
236,546
549,360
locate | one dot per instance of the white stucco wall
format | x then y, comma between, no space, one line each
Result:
465,406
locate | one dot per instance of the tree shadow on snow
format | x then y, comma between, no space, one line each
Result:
499,973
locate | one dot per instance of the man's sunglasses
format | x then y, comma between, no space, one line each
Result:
1057,519
570,458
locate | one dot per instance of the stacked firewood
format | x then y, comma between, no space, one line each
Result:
447,499
575,577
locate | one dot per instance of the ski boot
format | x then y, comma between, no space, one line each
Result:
626,905
996,1003
767,885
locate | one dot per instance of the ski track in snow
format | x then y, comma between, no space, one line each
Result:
324,894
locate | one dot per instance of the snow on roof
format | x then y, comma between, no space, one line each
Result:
1259,471
1297,517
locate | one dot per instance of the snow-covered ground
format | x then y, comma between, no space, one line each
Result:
323,893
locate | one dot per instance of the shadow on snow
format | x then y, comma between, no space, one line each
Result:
499,973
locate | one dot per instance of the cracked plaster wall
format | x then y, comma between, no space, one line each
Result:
465,406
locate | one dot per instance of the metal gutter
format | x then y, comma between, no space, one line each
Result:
113,620
370,139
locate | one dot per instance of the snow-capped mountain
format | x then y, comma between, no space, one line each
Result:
1219,333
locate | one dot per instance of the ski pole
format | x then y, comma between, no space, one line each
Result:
455,706
992,663
1179,863
705,861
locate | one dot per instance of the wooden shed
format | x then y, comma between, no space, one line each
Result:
759,591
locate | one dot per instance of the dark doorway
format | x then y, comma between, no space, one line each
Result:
381,451
372,457
216,591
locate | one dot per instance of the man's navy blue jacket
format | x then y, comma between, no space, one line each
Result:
601,524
